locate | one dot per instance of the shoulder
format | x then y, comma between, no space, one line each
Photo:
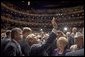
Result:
76,53
11,44
81,52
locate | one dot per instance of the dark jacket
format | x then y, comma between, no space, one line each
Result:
25,47
70,41
51,49
39,51
12,48
3,45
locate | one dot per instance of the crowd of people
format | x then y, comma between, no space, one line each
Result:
26,17
23,42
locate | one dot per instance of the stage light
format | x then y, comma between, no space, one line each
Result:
41,29
65,28
28,2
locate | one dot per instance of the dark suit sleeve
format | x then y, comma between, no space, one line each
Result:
47,45
10,51
26,49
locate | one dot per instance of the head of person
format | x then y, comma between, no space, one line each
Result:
46,36
79,39
73,48
74,30
16,34
62,42
31,39
3,35
68,34
8,33
39,37
61,34
26,31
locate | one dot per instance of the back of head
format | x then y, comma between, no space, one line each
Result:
31,39
8,33
73,48
27,29
60,34
68,34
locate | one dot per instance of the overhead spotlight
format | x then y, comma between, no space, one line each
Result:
40,29
28,2
65,28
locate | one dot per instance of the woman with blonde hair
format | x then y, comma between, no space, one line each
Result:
61,47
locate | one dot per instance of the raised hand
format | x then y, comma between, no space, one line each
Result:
54,23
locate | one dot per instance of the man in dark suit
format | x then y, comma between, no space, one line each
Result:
3,44
41,49
50,50
25,47
13,48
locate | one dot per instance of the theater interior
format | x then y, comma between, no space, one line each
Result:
37,15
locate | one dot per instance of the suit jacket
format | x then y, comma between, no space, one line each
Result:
12,48
76,53
3,44
39,51
51,49
25,47
70,41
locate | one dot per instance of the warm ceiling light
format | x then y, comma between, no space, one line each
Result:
28,2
